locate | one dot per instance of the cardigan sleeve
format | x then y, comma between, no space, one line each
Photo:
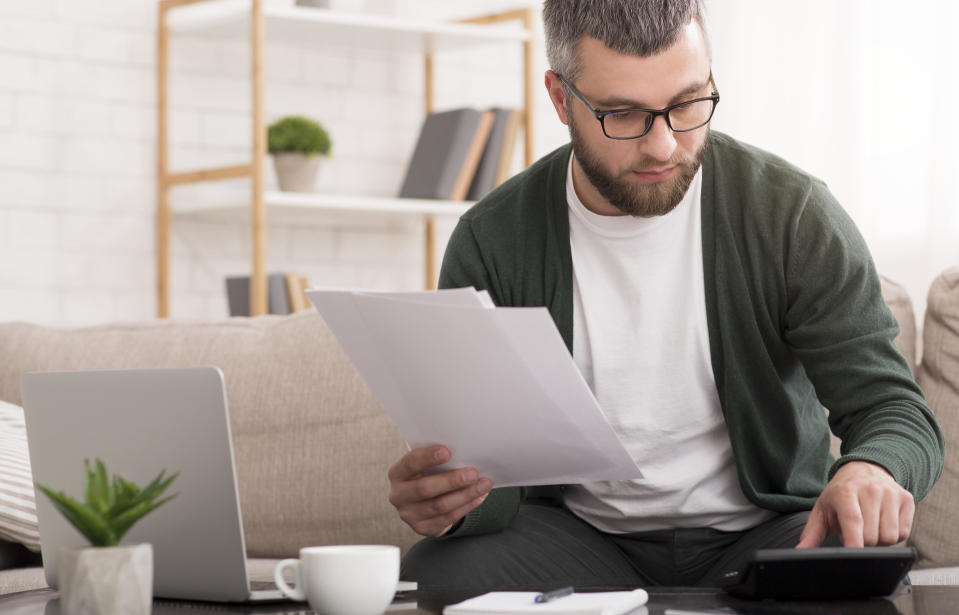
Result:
841,329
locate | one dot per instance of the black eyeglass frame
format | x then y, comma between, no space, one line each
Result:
653,113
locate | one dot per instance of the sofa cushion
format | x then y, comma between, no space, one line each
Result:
900,304
934,531
21,580
312,445
18,510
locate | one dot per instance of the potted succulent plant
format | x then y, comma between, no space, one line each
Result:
297,143
107,577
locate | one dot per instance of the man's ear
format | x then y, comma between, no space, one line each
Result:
554,87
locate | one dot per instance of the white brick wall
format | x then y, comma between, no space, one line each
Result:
77,161
78,136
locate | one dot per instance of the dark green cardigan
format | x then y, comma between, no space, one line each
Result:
793,308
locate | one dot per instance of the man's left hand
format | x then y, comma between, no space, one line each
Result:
863,505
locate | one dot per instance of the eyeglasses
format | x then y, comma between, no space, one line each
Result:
634,123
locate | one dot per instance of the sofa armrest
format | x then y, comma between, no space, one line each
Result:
897,298
934,529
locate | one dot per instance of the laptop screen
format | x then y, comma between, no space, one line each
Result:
140,422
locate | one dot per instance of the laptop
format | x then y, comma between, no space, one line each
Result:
140,422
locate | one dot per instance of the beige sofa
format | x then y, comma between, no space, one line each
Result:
312,445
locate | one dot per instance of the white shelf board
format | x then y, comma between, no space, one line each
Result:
300,24
294,203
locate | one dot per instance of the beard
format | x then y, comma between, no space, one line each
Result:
643,201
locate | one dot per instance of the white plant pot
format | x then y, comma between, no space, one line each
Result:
98,580
296,172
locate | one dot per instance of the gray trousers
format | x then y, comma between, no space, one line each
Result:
548,546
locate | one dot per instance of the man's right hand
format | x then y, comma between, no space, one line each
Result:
431,504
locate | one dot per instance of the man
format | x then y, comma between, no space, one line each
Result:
715,298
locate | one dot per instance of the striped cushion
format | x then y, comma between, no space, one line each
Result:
18,510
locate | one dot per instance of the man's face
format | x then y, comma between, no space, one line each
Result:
638,198
646,176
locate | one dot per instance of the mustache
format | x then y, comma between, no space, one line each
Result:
652,163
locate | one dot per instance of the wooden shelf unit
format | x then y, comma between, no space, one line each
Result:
250,18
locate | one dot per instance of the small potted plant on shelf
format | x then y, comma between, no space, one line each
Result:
107,577
297,143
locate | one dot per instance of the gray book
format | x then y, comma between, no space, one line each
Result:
238,295
446,155
487,172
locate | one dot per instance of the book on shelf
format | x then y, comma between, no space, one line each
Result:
285,294
296,286
446,155
494,165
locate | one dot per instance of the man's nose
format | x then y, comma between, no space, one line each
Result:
660,142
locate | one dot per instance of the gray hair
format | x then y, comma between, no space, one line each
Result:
636,27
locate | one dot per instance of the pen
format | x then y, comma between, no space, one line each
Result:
553,595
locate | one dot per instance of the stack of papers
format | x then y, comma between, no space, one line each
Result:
523,603
497,386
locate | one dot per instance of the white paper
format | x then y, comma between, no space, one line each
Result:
521,603
495,385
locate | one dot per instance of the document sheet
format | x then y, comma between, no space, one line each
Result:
523,603
497,386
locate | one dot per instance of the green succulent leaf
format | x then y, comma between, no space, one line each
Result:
122,524
134,496
112,507
127,488
88,483
127,494
157,486
87,521
97,488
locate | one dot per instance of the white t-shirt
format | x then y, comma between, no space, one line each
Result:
640,340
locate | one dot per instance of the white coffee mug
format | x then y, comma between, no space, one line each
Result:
343,579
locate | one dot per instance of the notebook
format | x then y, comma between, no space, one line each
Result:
524,603
140,422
